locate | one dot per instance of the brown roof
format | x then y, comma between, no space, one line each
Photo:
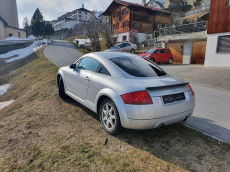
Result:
136,5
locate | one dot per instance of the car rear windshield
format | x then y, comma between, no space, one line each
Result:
137,66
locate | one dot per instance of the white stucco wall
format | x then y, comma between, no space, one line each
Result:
213,58
120,36
141,36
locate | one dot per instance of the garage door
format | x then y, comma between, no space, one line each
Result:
198,52
177,51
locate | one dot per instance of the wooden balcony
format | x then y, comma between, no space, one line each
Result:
137,16
121,30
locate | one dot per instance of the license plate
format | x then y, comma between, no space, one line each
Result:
173,98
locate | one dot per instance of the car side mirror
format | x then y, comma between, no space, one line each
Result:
158,52
72,66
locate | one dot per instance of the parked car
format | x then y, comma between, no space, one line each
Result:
158,55
126,91
123,47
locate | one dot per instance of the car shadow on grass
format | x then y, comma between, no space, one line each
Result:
177,144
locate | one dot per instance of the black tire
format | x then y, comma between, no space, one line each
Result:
170,61
114,117
61,88
152,60
132,51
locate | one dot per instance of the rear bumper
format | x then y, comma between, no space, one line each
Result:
154,123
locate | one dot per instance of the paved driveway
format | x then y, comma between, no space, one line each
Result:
62,53
212,112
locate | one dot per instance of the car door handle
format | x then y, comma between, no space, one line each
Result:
87,78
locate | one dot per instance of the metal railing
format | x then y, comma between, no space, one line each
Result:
185,28
199,11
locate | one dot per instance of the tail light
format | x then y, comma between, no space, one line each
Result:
193,93
137,98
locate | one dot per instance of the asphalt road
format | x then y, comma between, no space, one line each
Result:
212,111
62,53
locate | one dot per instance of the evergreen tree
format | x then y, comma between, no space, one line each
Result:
37,23
49,30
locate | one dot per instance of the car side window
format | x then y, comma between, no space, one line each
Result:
122,46
162,51
101,69
127,45
166,51
88,63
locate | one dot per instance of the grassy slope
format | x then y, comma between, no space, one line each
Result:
41,132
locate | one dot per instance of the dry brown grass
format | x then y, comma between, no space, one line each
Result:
41,132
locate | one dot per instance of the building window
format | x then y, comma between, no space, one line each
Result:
115,14
124,38
124,11
19,34
228,2
125,24
10,34
116,26
137,24
223,44
159,25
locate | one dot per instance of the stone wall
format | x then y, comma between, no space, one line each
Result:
6,48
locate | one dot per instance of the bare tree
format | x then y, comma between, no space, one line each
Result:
79,29
133,36
26,25
107,32
93,30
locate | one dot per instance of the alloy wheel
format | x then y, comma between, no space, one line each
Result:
108,116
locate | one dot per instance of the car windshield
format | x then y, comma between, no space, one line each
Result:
116,46
151,51
138,67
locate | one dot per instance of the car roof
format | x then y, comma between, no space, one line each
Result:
108,55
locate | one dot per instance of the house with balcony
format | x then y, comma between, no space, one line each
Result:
218,38
126,16
187,42
70,19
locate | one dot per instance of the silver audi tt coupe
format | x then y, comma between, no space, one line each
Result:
126,91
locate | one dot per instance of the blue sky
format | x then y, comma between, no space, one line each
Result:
51,9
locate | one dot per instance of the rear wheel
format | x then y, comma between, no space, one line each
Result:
61,88
132,51
109,117
170,61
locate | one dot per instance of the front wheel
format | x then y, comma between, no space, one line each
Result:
132,51
109,117
61,87
170,61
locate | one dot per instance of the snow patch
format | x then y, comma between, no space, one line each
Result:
5,104
24,52
84,41
4,88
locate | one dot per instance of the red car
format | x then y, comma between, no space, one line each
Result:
158,55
